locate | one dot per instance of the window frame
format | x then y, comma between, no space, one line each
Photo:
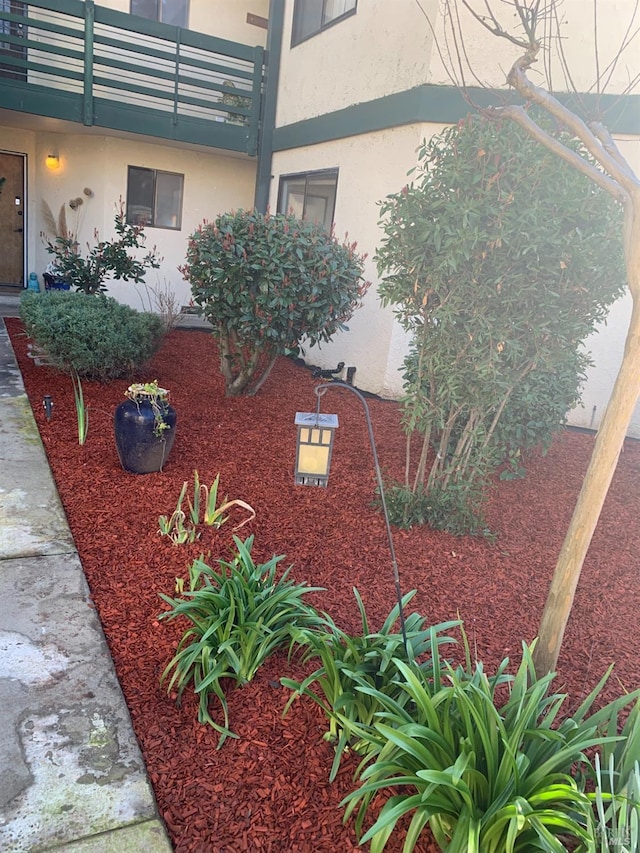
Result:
154,209
158,4
317,173
298,11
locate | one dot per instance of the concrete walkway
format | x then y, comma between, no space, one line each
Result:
72,776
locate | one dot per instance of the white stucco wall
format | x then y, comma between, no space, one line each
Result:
370,167
606,345
385,47
491,57
212,184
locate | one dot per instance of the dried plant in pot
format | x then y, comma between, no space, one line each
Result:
145,428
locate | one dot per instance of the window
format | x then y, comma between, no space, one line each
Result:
310,196
312,16
174,12
154,198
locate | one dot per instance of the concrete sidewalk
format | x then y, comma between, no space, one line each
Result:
72,776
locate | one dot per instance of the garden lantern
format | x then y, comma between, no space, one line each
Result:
313,459
314,447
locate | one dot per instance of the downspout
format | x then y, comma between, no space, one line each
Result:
269,101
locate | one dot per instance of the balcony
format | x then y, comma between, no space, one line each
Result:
76,61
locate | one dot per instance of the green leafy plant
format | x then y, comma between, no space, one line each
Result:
174,526
240,613
82,412
91,337
456,509
350,663
616,777
498,260
265,282
204,508
105,258
487,776
157,397
233,101
617,803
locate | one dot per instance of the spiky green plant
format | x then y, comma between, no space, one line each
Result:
486,776
616,777
240,613
368,660
82,411
212,514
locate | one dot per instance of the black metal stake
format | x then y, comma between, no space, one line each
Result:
319,391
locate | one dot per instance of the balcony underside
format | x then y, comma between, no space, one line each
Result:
128,118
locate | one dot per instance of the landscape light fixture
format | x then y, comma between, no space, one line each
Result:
52,162
47,403
314,448
313,460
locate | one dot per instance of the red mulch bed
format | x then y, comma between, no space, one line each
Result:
269,789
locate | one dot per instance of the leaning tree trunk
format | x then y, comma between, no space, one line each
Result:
602,466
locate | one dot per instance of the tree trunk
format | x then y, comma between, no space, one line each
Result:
604,459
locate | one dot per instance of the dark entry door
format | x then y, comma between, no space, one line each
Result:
12,35
11,220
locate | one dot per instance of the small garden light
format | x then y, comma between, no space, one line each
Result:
47,402
313,460
314,448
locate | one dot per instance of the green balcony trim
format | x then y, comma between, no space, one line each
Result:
254,120
90,65
87,93
269,103
437,104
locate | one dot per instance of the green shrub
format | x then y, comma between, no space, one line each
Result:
350,665
499,260
487,776
267,283
94,337
240,615
456,509
106,258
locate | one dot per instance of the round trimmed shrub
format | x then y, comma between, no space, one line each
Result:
95,337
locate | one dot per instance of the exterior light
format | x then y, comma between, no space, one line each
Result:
313,460
314,448
47,404
52,162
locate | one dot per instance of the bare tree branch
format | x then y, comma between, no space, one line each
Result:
609,145
520,116
521,83
626,41
493,25
446,65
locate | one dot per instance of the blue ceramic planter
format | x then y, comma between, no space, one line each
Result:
141,451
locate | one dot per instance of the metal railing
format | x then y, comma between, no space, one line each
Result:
79,61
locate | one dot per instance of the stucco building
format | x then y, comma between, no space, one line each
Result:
187,108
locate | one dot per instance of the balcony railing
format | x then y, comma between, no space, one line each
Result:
80,62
